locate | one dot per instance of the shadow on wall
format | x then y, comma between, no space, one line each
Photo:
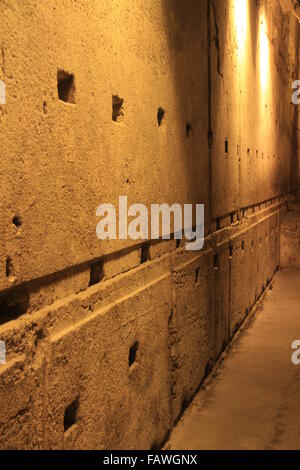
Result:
186,30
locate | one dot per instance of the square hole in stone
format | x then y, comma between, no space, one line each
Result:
17,221
96,272
160,116
216,261
226,147
117,108
133,353
70,417
65,86
145,252
188,129
13,304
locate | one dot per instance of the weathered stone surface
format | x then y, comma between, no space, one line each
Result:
290,238
84,83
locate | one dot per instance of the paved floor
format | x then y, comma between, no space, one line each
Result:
252,401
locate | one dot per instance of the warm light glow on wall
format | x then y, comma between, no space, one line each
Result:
241,22
264,53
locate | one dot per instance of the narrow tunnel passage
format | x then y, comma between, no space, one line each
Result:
150,187
251,400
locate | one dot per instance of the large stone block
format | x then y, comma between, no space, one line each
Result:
111,370
21,398
190,326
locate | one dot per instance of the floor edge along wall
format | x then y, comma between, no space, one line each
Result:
142,339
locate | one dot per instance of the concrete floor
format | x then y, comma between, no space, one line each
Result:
252,399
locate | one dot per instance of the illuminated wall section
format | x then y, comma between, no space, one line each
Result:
165,101
251,94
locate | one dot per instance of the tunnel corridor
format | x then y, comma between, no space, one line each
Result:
251,400
150,224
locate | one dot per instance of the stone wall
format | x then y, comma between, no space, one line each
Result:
107,342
